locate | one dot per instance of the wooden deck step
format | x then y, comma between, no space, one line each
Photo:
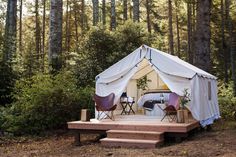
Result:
133,134
127,143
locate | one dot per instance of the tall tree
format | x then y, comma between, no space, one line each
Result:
136,10
130,10
233,59
20,26
9,47
55,35
228,38
104,12
68,26
125,10
148,15
171,40
43,34
7,75
189,27
113,14
223,46
82,17
194,5
177,27
75,9
202,35
95,12
37,31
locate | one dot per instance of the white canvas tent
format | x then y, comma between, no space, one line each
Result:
174,72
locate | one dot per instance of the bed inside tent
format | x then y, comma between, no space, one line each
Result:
154,84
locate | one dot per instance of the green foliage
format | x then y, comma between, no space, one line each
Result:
97,49
85,99
102,48
130,36
142,83
227,102
7,77
44,102
185,98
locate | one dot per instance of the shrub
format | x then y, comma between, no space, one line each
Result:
98,48
130,36
102,48
227,102
7,77
45,102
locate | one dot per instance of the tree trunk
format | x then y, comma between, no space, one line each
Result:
223,46
76,24
171,42
43,34
95,12
125,10
9,47
193,17
136,10
202,36
148,15
178,38
193,26
177,28
228,39
68,13
113,14
20,27
130,10
104,12
189,26
55,38
233,59
82,15
37,32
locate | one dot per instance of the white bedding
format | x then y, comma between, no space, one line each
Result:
156,110
152,96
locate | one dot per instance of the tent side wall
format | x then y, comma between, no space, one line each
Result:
204,104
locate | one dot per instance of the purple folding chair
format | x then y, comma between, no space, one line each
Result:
172,107
105,105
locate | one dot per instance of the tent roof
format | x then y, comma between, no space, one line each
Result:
185,64
166,63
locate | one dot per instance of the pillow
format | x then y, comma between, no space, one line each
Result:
164,86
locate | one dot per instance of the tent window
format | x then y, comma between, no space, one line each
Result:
209,90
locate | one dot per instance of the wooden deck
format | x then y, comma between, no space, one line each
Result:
133,130
135,122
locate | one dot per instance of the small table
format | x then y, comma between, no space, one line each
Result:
126,102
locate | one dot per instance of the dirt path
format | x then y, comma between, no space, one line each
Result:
221,141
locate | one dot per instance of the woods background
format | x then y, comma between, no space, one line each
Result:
51,51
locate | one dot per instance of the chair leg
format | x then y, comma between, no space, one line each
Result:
98,116
124,108
112,116
130,108
172,117
106,115
163,117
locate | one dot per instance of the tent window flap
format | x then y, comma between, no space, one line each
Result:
209,90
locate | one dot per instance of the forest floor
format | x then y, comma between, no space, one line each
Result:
220,141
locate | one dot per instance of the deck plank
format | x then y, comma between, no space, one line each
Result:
135,122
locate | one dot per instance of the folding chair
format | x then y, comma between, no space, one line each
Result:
171,109
105,106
